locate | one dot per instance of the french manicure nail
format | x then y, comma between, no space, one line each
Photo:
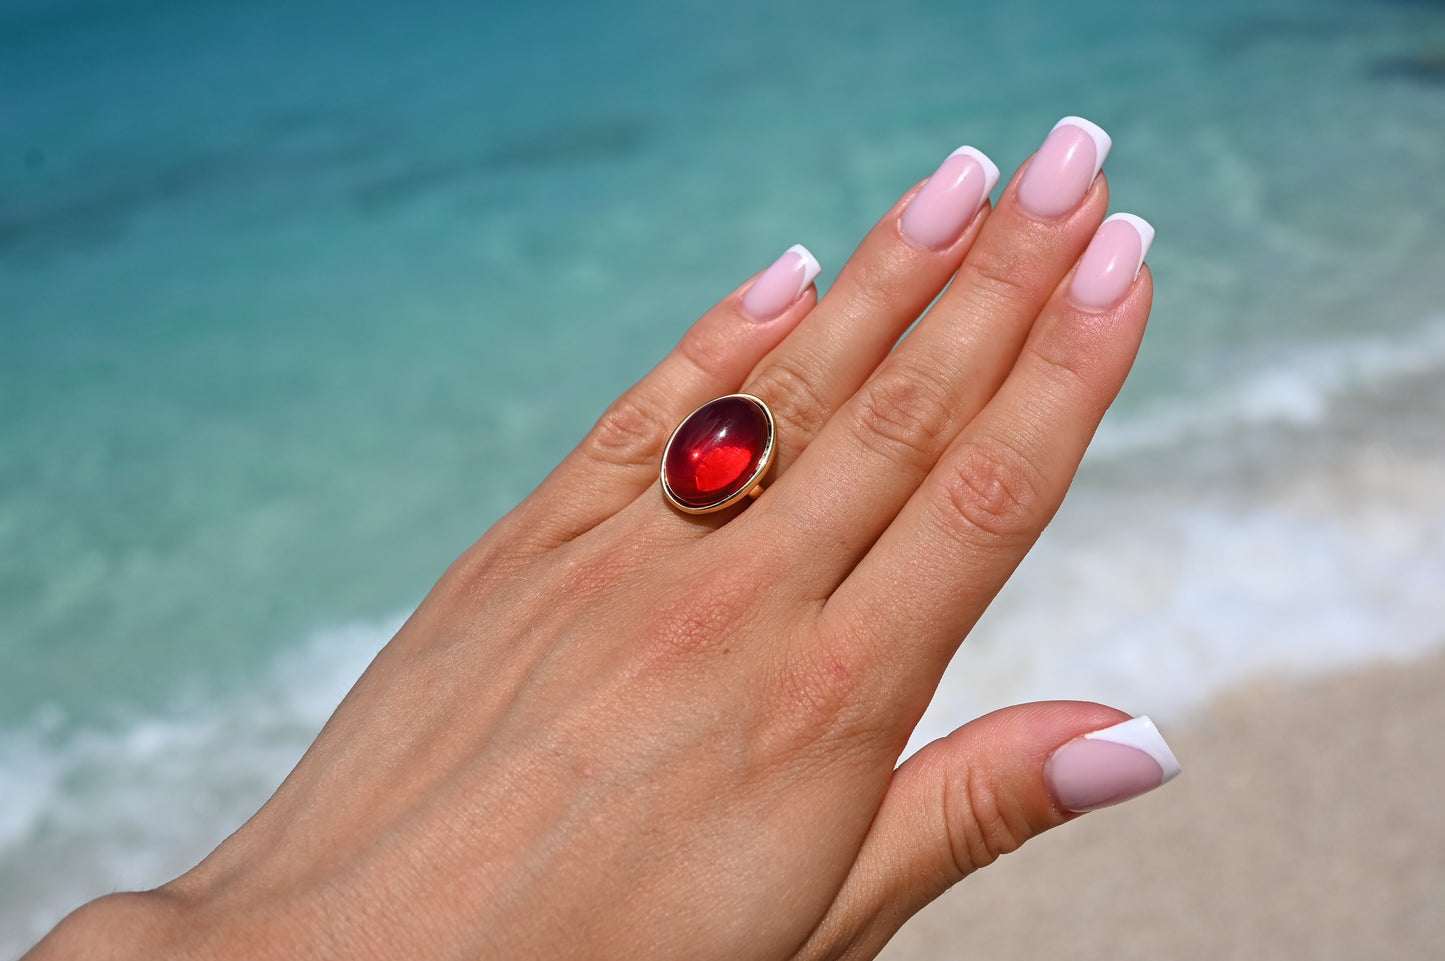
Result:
1105,767
1060,173
1112,262
781,284
937,214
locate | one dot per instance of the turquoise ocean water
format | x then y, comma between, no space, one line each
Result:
296,298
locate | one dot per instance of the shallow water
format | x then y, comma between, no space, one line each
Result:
295,299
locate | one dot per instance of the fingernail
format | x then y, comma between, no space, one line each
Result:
1112,262
1065,166
938,213
1106,767
781,284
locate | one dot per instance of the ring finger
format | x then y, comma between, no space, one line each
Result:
898,269
818,357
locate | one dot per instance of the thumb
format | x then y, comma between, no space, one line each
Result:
984,790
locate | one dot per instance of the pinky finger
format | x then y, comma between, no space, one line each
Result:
618,458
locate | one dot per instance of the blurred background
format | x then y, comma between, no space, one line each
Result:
297,298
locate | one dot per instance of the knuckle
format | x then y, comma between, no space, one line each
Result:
905,415
706,352
999,277
1069,364
818,689
981,826
823,703
787,387
876,286
631,431
584,579
700,619
991,489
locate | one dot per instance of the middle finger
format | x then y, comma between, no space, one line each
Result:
871,456
897,270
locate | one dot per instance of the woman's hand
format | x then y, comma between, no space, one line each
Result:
615,730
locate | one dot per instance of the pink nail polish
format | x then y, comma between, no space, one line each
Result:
781,284
938,213
1060,173
1112,262
1106,767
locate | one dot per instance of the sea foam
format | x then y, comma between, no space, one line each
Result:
131,804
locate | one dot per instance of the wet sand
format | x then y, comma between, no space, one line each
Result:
1308,823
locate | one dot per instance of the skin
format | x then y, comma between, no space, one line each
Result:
616,731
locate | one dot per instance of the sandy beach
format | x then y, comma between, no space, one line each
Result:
1306,825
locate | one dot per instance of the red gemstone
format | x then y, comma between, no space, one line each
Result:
718,452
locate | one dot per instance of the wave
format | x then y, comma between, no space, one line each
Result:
1288,523
1168,605
1301,388
131,804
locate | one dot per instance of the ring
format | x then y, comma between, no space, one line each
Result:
718,454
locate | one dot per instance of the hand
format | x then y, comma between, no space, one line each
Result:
614,730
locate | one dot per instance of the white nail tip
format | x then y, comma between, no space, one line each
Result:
1141,734
1102,141
811,267
990,169
1144,229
